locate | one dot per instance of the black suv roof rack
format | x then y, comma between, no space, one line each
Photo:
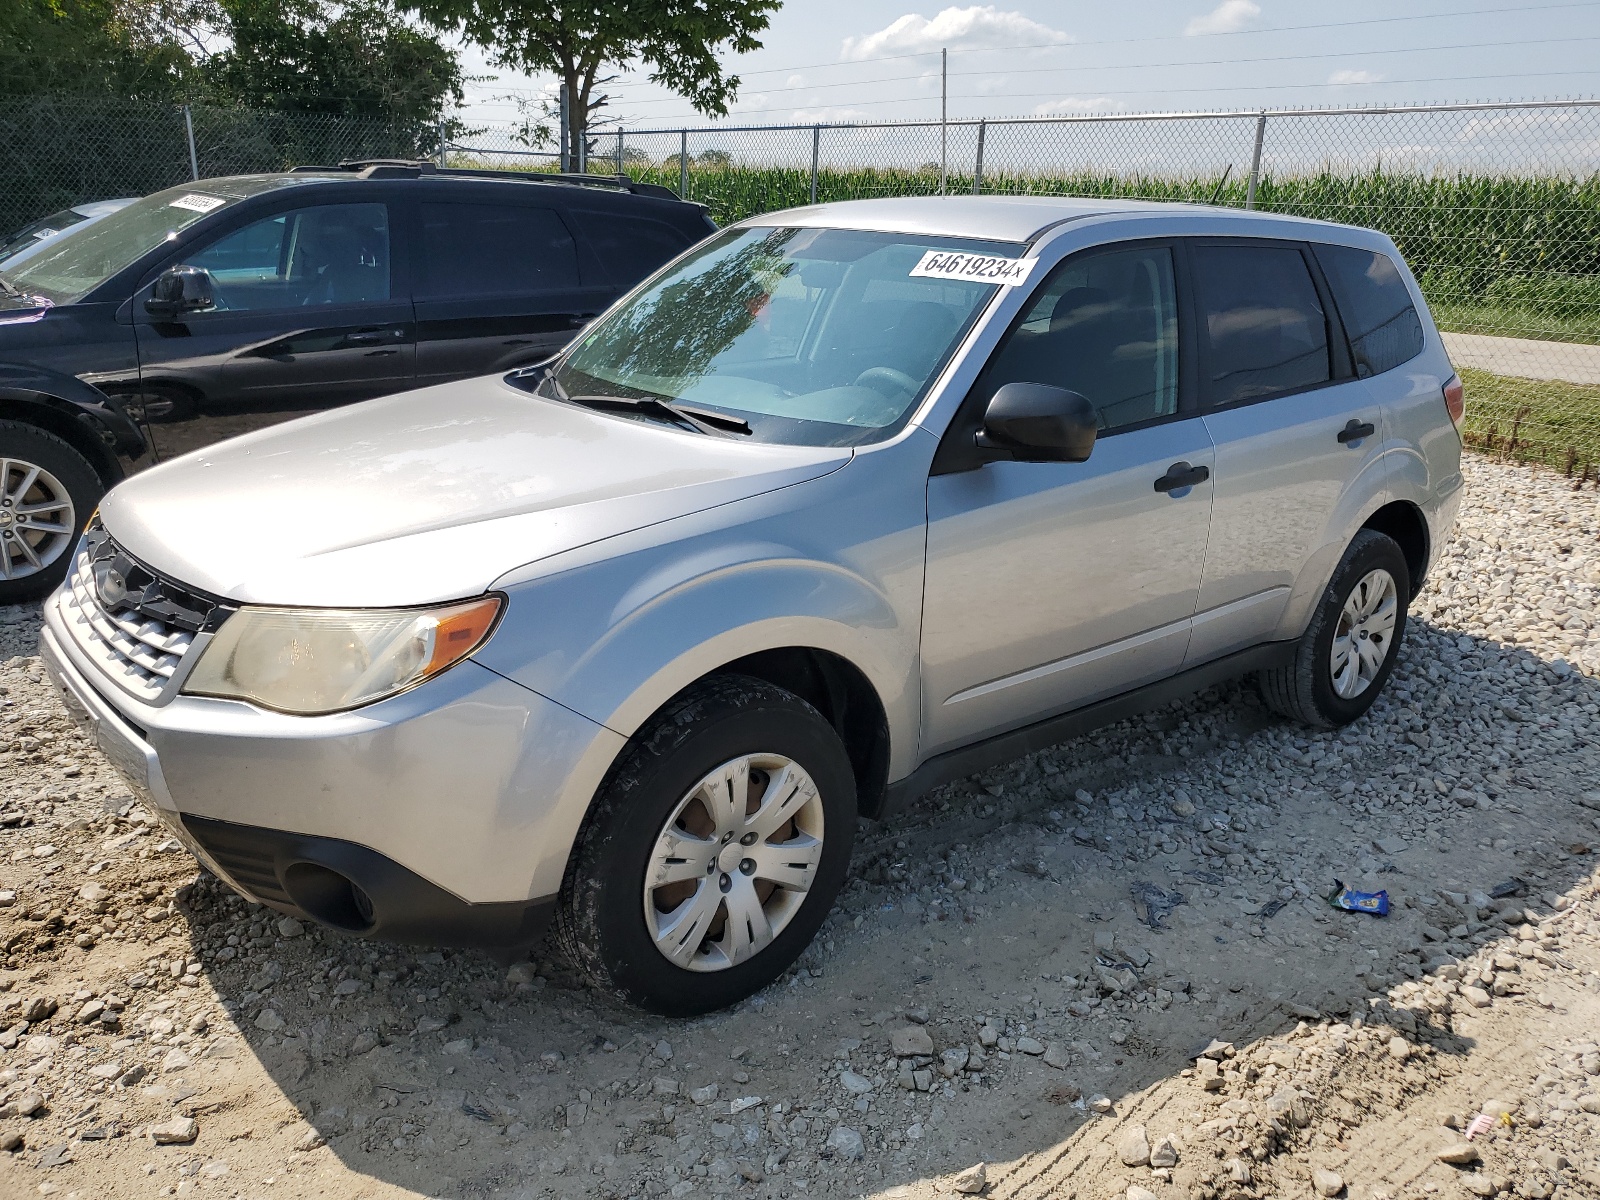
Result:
413,168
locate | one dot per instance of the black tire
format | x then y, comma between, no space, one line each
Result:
1304,690
600,919
21,443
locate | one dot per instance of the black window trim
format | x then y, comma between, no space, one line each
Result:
957,452
1349,346
1340,360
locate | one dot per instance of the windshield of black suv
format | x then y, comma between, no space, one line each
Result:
804,336
81,258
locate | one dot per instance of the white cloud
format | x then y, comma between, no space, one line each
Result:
970,28
795,81
1069,106
1227,17
1355,77
831,115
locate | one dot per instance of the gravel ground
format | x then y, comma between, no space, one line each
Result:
1105,970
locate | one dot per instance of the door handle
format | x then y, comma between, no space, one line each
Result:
1355,431
1181,475
372,337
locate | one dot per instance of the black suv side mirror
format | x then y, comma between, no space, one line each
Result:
1034,422
179,290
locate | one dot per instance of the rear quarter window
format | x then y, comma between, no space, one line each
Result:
1379,318
629,248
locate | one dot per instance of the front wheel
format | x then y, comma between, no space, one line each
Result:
47,491
714,850
1350,647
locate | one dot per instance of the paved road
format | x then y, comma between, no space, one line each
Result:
1525,358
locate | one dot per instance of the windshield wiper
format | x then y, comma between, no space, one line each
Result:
704,419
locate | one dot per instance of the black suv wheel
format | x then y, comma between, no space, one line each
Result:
47,491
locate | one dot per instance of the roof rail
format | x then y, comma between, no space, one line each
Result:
406,168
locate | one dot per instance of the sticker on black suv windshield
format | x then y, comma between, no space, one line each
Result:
973,268
197,203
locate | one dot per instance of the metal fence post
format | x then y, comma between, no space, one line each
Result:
619,150
444,153
188,130
977,167
944,120
1255,161
816,149
683,163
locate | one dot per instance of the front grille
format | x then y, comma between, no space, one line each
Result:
136,626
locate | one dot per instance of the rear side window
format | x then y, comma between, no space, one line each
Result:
1381,322
471,251
1261,320
629,248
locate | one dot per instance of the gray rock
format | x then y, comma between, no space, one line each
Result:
1458,1154
1165,1154
910,1041
845,1143
1133,1147
289,927
856,1085
1327,1183
179,1131
1135,1192
972,1181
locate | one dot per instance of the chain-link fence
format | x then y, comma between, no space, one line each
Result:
1496,206
55,153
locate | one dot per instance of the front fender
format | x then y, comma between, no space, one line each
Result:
638,619
71,397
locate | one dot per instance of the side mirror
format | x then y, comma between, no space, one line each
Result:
179,290
1033,422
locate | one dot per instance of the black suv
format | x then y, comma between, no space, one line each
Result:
219,307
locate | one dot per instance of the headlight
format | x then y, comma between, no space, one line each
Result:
309,660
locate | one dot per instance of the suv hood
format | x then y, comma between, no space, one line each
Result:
426,496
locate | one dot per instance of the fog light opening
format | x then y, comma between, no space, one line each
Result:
329,897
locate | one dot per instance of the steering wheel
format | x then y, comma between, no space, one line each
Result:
875,377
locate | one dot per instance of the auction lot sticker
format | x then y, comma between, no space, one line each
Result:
196,203
973,268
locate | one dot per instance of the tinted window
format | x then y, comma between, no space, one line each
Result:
1262,322
330,254
1105,326
629,247
474,250
1382,325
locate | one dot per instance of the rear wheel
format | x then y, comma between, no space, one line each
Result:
47,491
1350,647
714,850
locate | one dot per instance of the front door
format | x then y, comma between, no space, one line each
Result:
498,287
1051,585
1294,431
310,313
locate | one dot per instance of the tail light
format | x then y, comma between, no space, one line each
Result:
1455,399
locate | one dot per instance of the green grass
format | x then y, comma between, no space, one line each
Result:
1534,420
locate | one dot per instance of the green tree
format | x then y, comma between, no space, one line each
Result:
133,49
577,40
356,59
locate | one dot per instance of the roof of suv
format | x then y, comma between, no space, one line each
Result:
997,218
242,186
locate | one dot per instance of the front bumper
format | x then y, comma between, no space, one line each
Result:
448,812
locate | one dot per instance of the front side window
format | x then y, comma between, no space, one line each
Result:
1373,300
471,251
80,259
328,254
1264,329
1104,325
810,336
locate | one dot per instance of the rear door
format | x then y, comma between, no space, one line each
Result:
311,312
498,286
1298,438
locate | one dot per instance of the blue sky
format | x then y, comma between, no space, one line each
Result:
849,60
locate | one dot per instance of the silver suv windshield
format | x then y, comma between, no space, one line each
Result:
808,336
78,261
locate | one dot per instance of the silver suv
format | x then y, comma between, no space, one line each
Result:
844,502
